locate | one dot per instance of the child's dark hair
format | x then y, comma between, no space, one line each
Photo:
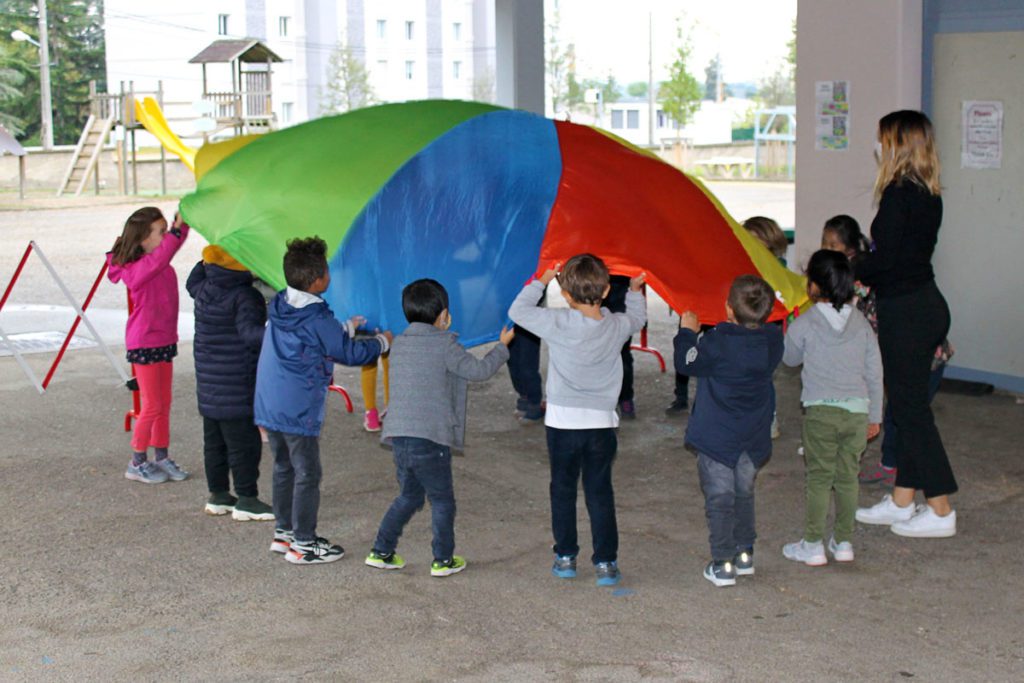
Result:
305,262
128,247
585,278
833,275
768,232
847,230
424,300
751,300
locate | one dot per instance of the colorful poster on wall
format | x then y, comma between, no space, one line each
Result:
981,134
832,115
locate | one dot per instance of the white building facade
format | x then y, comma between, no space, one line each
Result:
412,49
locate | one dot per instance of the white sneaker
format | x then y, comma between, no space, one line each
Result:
841,552
926,524
885,512
811,554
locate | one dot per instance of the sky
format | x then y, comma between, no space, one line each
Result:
611,36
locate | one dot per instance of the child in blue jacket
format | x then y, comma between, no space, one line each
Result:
301,345
730,426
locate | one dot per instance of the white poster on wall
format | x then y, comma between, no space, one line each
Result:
832,115
981,137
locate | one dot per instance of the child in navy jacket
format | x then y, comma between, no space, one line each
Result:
301,345
730,427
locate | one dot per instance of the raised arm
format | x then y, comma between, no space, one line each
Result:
152,263
693,357
461,362
526,312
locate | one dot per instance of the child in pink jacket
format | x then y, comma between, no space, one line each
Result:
141,258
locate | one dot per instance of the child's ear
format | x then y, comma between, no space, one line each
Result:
568,298
607,288
729,314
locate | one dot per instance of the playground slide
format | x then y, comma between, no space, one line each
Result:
149,114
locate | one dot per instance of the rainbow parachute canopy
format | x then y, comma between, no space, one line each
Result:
477,197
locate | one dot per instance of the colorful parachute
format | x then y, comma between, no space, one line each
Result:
477,197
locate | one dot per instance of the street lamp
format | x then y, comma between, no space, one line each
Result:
46,127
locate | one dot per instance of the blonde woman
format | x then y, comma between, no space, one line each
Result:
913,319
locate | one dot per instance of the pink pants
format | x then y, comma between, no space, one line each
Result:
153,426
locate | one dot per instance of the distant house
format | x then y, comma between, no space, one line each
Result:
712,124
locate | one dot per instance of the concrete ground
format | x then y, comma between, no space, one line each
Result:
106,579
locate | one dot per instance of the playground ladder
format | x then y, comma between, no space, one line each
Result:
87,154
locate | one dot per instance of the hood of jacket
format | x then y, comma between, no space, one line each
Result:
288,318
827,322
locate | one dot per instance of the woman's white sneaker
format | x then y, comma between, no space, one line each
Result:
926,524
885,512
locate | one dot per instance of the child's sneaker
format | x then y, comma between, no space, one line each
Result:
220,503
447,568
926,524
878,474
564,567
607,573
391,560
534,414
252,509
841,552
282,541
720,573
744,562
522,405
811,554
174,473
884,512
317,551
371,421
147,473
677,407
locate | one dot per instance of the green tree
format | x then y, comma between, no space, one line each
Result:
77,56
637,89
348,83
777,89
610,90
11,78
680,95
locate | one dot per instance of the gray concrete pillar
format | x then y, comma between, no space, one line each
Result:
519,49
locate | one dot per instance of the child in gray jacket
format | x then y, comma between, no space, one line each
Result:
584,379
842,395
426,420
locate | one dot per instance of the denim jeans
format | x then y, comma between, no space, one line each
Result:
728,505
590,452
235,446
424,469
297,477
890,436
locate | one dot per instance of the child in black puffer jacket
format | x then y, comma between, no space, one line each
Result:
231,316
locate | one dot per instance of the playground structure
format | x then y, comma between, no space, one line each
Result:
244,110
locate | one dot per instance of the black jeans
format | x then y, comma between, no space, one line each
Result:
590,452
232,446
524,366
297,475
616,303
910,326
728,505
424,469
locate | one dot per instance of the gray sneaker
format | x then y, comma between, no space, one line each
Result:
607,573
744,563
720,573
252,510
564,567
174,473
147,473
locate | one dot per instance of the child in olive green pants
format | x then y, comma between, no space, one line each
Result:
842,395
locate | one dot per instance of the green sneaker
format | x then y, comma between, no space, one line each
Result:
381,561
252,510
452,566
220,503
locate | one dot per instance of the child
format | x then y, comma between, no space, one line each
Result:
842,398
768,233
584,379
300,347
231,317
730,426
141,258
427,420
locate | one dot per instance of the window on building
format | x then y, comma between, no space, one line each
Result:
286,112
632,118
222,24
662,119
408,70
457,30
282,26
456,70
408,30
382,28
616,118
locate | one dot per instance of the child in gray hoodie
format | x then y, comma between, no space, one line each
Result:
584,379
842,395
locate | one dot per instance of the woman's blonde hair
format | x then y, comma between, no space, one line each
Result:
768,233
908,152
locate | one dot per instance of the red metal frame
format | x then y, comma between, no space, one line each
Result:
74,326
338,389
17,272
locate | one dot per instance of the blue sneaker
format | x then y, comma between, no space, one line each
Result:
564,567
607,573
147,473
171,469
